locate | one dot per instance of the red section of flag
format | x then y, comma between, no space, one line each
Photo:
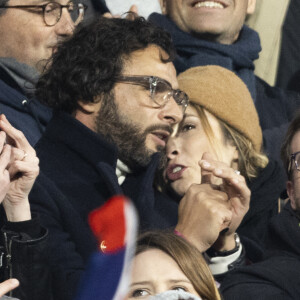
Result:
108,224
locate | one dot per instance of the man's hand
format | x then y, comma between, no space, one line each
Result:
219,203
23,170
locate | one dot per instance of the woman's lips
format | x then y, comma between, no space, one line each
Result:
174,171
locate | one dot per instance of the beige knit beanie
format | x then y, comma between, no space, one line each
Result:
225,95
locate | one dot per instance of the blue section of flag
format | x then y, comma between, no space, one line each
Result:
102,277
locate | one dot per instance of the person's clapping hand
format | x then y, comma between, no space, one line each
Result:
22,168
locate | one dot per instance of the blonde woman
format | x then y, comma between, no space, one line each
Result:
222,120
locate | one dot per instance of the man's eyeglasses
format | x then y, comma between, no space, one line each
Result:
52,11
160,90
294,158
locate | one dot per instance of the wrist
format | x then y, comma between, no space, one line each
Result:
226,245
192,239
17,212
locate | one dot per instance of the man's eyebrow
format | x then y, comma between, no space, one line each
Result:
39,2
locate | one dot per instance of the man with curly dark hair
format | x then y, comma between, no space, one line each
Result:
114,90
93,71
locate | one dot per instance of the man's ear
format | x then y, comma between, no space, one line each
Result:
251,7
89,107
87,112
291,193
163,6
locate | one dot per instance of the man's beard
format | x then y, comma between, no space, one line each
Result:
129,138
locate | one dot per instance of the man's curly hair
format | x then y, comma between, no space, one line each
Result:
87,64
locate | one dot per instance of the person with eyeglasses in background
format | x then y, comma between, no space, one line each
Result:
29,34
278,275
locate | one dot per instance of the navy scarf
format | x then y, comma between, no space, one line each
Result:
192,52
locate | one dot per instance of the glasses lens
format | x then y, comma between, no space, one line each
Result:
52,13
297,161
160,92
181,98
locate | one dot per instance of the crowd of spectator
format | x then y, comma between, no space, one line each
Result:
166,111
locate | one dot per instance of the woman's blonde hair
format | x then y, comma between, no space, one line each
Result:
249,160
188,258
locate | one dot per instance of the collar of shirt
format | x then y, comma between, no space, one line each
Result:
122,170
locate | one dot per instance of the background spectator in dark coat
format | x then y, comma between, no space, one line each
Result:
288,72
278,276
28,38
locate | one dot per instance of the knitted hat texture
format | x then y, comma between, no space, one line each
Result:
224,95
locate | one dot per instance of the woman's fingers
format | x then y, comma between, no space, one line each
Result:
232,183
211,169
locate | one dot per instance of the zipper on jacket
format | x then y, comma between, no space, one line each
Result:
8,257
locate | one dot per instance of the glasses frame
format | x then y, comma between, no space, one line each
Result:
43,7
293,158
143,80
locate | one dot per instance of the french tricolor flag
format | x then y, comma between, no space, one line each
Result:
107,276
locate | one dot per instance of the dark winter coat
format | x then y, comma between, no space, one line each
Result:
77,176
25,114
265,192
23,252
278,276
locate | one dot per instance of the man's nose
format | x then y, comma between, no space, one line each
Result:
65,26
